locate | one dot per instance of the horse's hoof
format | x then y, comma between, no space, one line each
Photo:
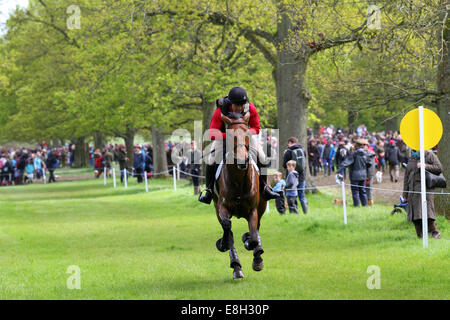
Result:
238,274
220,246
257,265
245,237
250,245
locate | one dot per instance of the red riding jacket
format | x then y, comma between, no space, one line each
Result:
217,123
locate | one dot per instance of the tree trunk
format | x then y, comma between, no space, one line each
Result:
99,141
129,145
159,153
351,121
81,158
392,125
292,95
442,203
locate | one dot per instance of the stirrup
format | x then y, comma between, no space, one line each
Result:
207,198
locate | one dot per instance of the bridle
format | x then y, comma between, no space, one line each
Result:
240,145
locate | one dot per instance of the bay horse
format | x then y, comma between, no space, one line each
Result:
239,196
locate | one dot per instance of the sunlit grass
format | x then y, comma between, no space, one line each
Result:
130,244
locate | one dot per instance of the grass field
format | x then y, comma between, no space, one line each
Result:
130,244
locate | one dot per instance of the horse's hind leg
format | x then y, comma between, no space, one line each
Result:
235,264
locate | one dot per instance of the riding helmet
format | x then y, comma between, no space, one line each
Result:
238,96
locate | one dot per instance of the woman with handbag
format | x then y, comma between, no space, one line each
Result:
412,183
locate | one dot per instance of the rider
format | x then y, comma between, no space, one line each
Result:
237,102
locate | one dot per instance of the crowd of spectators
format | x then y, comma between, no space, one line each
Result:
26,165
330,147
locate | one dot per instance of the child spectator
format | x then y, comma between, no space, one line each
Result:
291,186
279,188
29,169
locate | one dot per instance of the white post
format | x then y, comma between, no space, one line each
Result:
344,202
178,171
422,180
268,208
104,176
146,183
174,179
125,176
114,176
43,176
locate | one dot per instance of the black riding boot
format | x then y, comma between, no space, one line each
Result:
210,173
265,190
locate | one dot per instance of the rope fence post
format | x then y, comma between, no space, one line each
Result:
178,171
125,176
104,176
146,182
174,178
422,180
44,177
114,176
344,202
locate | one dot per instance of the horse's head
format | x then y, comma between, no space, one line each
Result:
238,128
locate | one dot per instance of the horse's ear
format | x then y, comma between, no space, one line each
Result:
225,119
246,117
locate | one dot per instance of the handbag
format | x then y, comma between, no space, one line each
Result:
435,181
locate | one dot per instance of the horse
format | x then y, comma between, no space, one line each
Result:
238,196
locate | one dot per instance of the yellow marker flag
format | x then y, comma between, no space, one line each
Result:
409,129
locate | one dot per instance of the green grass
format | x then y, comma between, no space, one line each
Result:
161,245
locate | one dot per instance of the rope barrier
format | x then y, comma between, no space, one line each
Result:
189,174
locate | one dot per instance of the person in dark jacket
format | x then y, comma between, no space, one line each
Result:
357,162
195,167
328,157
290,154
412,188
341,155
393,158
138,163
52,163
313,158
123,162
370,172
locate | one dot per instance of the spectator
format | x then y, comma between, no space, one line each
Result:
194,165
98,168
341,155
370,173
138,163
38,165
109,157
279,186
52,164
328,157
357,162
313,158
29,170
412,183
291,186
393,158
123,162
296,152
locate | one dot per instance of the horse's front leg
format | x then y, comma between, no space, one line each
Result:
226,242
